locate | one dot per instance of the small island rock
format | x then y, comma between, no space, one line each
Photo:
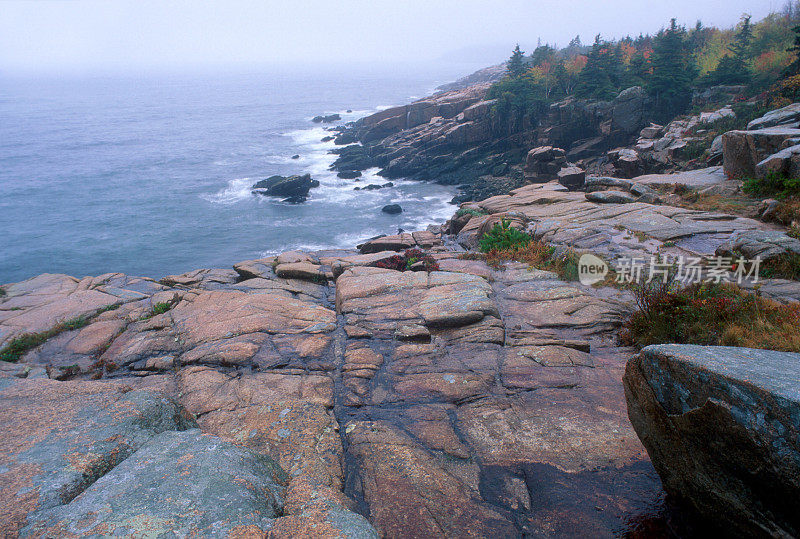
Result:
392,209
293,189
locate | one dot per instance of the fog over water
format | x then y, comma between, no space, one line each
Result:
131,131
129,34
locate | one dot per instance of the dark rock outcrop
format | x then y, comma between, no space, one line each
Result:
328,118
292,189
392,209
721,427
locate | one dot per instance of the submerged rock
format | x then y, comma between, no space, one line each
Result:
292,189
721,427
349,174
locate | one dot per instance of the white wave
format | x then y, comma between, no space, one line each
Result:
311,136
236,191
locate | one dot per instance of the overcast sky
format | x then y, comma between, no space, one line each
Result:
48,34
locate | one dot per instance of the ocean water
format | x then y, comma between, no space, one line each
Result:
150,174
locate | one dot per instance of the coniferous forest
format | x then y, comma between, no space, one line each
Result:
762,56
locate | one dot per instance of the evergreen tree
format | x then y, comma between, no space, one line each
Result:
516,64
734,69
638,70
542,54
794,68
742,44
674,71
601,77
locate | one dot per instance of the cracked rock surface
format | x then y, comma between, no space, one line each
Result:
334,398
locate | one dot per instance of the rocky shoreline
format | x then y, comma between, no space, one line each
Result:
464,400
407,388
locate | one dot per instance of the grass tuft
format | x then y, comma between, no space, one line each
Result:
773,184
21,344
158,308
785,266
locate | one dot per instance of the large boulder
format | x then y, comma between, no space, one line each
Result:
784,163
543,163
290,188
765,244
572,177
629,110
627,163
722,430
392,209
743,150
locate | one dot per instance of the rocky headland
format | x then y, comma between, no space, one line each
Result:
408,388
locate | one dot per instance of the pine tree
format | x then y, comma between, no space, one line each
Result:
516,64
674,71
794,68
742,44
542,54
638,70
601,77
734,69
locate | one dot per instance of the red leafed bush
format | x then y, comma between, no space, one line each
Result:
407,261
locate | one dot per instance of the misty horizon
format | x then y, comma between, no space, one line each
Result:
88,35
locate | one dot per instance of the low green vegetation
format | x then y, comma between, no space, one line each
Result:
158,308
710,314
773,184
505,243
470,211
21,344
503,237
410,260
785,266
